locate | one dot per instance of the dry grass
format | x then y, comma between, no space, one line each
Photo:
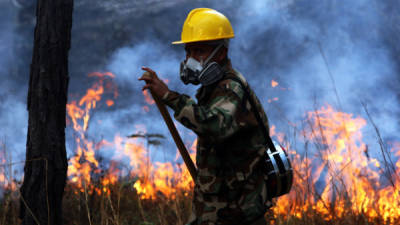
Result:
121,205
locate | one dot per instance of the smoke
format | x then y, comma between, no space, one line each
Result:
320,52
13,114
325,52
126,63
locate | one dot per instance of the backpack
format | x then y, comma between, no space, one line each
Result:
276,165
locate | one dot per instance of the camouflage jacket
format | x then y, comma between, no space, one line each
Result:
229,188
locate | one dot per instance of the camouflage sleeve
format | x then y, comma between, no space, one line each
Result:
216,119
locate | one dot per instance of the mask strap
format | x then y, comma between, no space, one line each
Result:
213,53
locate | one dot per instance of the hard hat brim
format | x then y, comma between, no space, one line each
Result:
177,42
202,40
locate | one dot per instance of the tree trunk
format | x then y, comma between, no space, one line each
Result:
46,160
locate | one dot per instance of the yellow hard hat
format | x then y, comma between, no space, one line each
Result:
203,24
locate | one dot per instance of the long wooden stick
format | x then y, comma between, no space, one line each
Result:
175,135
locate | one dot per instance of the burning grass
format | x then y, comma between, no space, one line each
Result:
123,205
336,179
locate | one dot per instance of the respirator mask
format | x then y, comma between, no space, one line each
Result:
205,73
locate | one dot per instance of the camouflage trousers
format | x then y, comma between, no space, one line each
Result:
245,206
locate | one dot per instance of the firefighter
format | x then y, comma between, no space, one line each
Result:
230,187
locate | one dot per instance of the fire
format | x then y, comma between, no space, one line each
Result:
102,75
7,182
165,81
352,181
146,108
148,98
152,180
274,83
273,99
110,103
84,164
334,178
155,179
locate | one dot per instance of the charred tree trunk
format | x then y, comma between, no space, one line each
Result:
46,161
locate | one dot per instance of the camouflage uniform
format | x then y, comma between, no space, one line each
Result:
230,187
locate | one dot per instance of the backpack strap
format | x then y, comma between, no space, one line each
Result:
263,128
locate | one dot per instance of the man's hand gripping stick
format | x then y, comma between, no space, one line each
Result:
175,135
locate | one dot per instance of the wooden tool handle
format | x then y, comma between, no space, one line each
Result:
175,135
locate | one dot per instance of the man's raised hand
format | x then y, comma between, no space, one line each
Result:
157,86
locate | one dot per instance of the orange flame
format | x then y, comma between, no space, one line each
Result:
146,108
84,163
274,83
110,102
273,99
165,81
148,98
339,179
352,181
101,75
153,180
7,182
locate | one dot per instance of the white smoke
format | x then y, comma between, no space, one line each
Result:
289,43
13,113
276,40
